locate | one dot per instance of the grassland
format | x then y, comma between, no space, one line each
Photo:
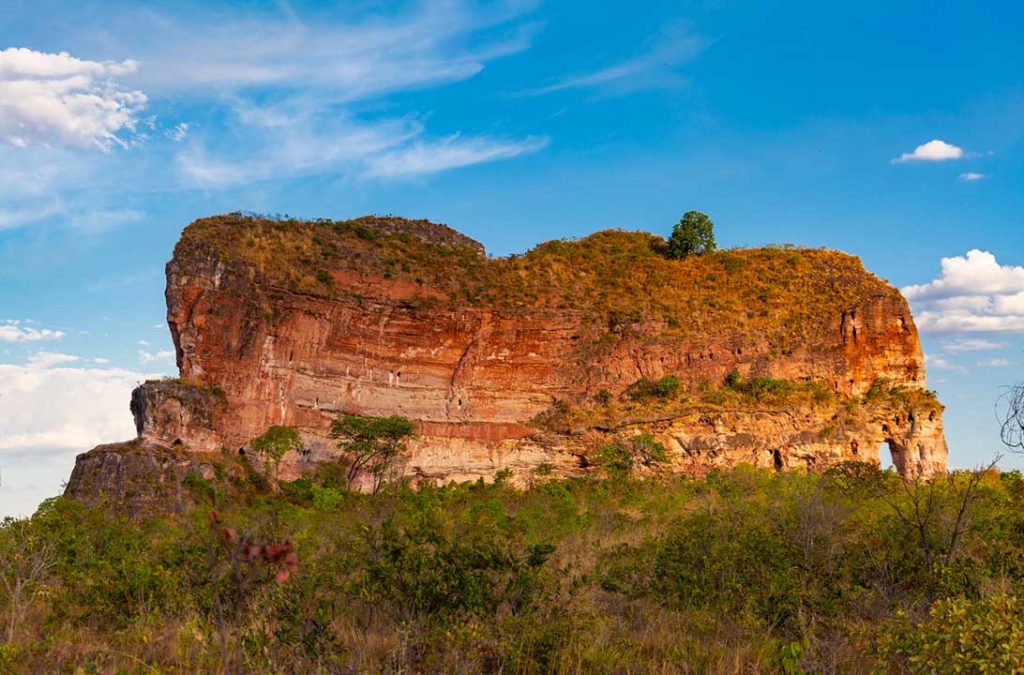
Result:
742,571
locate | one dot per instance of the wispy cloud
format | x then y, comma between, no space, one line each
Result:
453,152
974,293
356,58
318,73
993,363
46,359
165,355
971,176
933,151
656,67
972,345
941,363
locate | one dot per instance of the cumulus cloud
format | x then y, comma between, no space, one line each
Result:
993,363
13,330
974,293
59,99
971,176
932,151
47,403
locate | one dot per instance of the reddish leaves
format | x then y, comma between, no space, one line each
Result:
281,557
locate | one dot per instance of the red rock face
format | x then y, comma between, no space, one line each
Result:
474,376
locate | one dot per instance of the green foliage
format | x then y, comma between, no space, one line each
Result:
740,571
694,234
615,278
276,441
622,456
960,635
374,444
663,388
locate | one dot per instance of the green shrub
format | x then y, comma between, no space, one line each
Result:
664,388
959,636
692,235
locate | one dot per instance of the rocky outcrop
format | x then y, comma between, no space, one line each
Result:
285,322
135,478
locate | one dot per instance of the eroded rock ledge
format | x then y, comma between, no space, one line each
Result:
287,322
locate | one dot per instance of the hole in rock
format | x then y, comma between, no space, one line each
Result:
897,457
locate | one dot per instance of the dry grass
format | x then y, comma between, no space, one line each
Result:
615,278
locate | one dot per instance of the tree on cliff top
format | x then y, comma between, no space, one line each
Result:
692,235
375,443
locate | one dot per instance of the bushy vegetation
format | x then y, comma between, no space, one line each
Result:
374,445
742,571
694,234
615,278
649,400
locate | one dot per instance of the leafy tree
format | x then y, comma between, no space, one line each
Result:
692,235
275,442
621,456
375,444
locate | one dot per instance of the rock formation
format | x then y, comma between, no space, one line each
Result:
783,357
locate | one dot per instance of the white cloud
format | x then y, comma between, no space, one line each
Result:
354,59
47,359
932,151
993,363
940,363
178,133
452,152
676,44
15,331
47,404
166,355
974,293
59,99
972,345
971,176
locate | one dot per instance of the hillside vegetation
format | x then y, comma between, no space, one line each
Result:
742,571
615,276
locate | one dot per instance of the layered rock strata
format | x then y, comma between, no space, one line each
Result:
294,323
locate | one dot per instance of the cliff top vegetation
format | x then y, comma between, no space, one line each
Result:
625,278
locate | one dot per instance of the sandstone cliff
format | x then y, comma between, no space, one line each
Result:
785,357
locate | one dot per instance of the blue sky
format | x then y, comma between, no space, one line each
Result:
514,122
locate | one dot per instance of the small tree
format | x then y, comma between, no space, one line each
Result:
1012,417
621,456
275,442
374,443
27,561
692,235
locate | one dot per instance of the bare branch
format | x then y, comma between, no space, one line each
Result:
1010,412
